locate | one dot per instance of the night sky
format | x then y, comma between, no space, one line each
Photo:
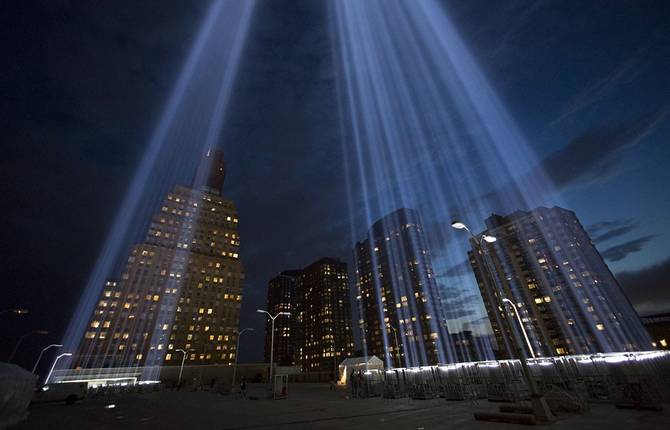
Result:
83,84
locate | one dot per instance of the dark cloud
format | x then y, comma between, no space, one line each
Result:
458,269
464,304
591,156
594,154
455,313
648,288
451,292
607,230
621,251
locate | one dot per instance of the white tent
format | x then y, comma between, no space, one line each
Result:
370,362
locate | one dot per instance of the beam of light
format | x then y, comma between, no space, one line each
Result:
189,124
425,130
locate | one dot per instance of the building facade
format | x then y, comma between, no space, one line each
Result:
325,336
544,262
401,316
181,288
658,327
283,296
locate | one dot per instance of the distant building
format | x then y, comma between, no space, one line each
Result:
324,316
283,296
401,316
466,346
181,288
569,301
658,327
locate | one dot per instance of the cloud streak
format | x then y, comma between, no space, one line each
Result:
623,250
593,154
625,72
458,269
647,288
607,230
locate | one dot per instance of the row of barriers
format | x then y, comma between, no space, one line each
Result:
637,379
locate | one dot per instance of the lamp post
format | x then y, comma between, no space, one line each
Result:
540,407
17,311
39,357
65,354
237,353
181,368
523,329
18,342
272,336
395,337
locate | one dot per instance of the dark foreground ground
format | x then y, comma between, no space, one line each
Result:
309,406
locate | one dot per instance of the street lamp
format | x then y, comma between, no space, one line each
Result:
18,343
395,336
540,407
237,352
65,354
523,329
18,311
39,357
272,336
181,368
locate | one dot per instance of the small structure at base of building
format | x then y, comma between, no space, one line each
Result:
348,365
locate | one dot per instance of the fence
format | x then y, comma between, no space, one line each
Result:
639,379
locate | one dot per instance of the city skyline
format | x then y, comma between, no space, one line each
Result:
599,126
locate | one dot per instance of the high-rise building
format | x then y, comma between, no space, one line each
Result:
283,296
181,288
468,347
544,262
401,316
658,327
325,336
